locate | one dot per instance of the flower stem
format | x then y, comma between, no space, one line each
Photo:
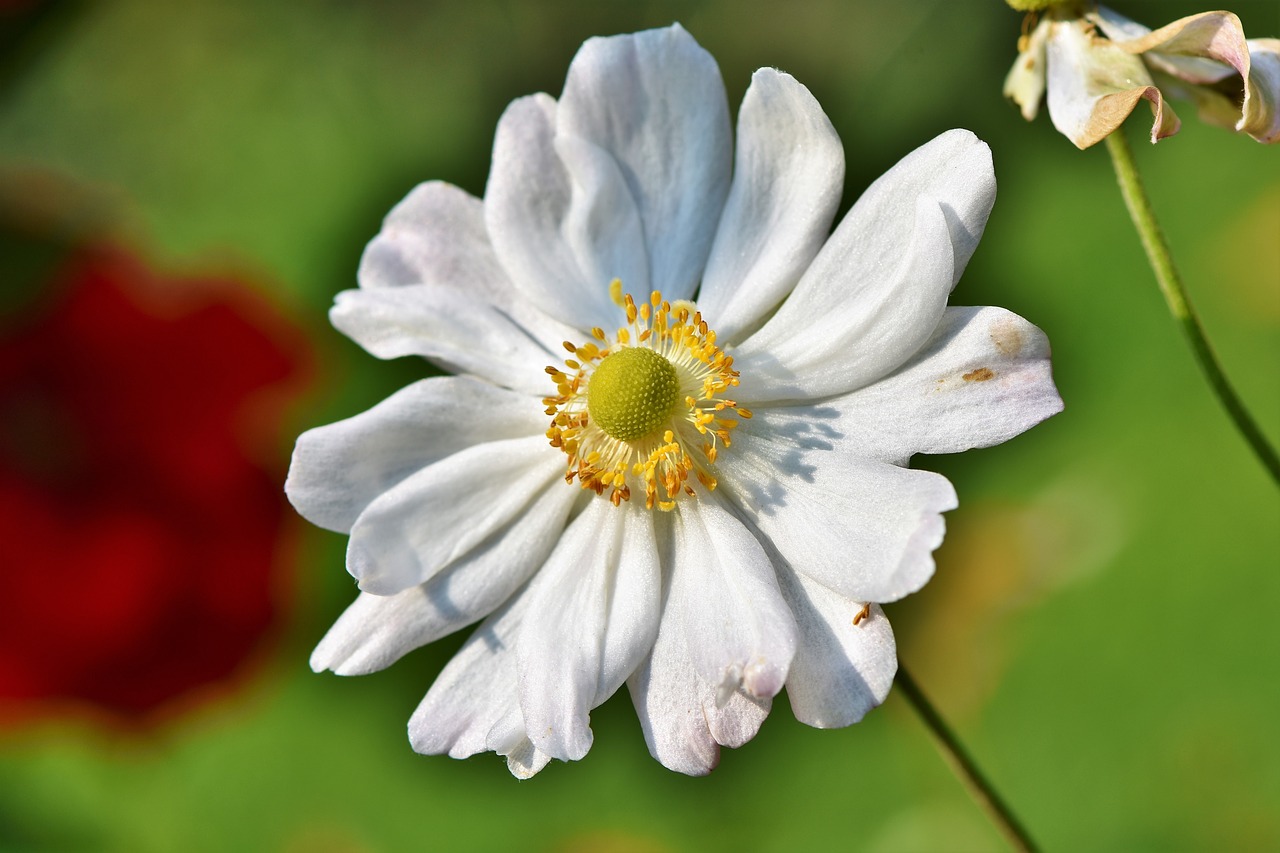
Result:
1135,198
962,764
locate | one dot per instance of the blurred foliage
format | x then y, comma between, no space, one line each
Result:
1101,627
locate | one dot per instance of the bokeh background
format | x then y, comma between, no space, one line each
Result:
1101,630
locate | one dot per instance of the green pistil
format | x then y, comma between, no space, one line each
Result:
632,393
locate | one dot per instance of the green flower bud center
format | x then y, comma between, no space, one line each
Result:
632,393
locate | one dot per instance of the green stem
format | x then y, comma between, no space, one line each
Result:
962,764
1135,198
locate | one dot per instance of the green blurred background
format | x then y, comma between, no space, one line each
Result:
1102,627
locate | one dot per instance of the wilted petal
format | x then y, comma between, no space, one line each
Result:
1202,48
1024,84
1261,111
1094,86
1213,106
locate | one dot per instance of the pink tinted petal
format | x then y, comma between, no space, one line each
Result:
1202,48
1261,110
1094,86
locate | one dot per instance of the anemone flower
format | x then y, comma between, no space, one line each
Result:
675,455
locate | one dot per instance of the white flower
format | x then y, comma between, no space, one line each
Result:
1096,79
706,566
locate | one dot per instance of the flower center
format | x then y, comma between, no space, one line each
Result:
643,408
632,393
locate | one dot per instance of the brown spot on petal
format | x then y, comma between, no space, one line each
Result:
982,374
1008,338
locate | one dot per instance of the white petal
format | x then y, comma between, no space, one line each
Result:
1261,115
592,619
339,469
863,528
525,760
738,627
1024,84
377,630
877,289
1094,86
983,378
836,345
473,707
437,236
841,670
443,511
654,100
683,725
456,329
561,217
787,179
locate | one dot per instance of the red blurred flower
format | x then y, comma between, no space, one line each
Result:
140,533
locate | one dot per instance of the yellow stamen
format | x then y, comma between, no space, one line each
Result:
632,407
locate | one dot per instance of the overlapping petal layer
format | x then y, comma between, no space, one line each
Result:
1094,85
766,573
878,288
788,175
596,615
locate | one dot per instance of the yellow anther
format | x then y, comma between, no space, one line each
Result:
632,405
